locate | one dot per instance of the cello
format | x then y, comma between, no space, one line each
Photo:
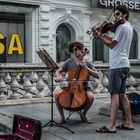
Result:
73,97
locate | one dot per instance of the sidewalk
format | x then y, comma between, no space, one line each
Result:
83,131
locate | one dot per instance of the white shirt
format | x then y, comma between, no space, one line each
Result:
120,53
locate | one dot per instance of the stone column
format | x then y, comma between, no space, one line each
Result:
104,83
94,83
7,80
2,87
14,86
27,86
40,85
138,82
131,82
34,79
45,78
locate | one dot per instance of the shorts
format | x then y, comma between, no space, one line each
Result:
117,80
86,86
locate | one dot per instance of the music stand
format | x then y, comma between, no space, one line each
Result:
52,66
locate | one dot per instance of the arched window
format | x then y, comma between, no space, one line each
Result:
65,34
100,52
134,47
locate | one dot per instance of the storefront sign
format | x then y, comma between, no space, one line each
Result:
14,44
131,4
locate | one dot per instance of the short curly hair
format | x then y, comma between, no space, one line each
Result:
76,44
123,9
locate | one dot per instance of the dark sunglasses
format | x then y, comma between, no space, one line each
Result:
75,49
117,14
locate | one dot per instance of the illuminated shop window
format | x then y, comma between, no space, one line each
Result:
12,30
17,41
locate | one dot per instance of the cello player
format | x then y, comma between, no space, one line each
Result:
77,49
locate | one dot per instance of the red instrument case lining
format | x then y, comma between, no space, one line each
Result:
24,128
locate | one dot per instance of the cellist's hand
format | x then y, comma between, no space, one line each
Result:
83,64
58,75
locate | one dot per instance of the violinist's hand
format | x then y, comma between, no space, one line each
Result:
58,78
96,33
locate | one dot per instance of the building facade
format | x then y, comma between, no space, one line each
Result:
27,25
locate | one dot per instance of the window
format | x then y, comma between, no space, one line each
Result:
12,28
100,52
65,34
134,47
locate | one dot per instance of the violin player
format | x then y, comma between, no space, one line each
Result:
76,48
119,68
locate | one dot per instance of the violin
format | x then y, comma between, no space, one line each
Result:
73,97
106,27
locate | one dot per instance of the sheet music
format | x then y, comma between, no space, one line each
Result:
45,57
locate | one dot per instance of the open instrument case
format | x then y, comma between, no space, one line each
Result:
134,99
24,128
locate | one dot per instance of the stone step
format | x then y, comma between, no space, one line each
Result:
25,101
6,123
105,110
